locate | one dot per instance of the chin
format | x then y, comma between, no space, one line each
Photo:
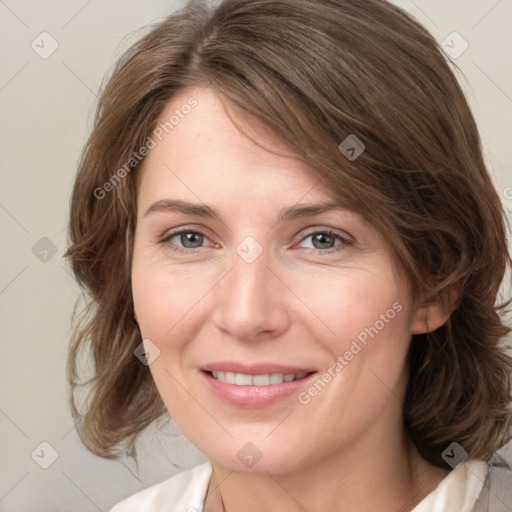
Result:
259,457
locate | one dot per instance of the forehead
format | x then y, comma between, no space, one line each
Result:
197,141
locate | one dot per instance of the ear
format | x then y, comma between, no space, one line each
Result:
435,311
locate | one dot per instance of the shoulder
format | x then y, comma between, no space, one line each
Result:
184,492
496,495
458,490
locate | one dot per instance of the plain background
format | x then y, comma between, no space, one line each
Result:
46,107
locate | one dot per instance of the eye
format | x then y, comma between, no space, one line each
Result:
184,240
325,241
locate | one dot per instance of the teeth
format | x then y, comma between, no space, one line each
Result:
241,379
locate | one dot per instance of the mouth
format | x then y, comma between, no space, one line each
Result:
266,379
255,386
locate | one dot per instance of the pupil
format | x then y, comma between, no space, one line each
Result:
322,238
187,239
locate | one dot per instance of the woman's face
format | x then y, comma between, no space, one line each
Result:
243,281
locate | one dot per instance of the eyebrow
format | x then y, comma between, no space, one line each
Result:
203,210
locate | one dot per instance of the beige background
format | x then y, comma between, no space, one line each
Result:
46,112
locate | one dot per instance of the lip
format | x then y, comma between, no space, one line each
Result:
254,397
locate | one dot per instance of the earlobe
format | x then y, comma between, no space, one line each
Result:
435,311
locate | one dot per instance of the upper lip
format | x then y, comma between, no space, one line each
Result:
255,368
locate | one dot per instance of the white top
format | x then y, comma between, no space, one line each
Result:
186,491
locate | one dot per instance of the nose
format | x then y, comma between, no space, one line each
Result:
252,301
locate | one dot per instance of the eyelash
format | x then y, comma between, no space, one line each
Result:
336,248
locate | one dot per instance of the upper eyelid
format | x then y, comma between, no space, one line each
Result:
186,229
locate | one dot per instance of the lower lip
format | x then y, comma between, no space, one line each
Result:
254,397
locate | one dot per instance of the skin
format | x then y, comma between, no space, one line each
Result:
295,304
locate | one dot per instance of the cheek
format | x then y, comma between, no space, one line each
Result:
165,297
342,305
164,301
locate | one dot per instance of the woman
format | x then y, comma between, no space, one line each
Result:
293,247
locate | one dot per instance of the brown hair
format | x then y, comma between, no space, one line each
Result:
315,72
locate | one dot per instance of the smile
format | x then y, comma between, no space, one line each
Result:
243,379
254,386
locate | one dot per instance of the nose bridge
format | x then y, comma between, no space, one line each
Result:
248,283
247,300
